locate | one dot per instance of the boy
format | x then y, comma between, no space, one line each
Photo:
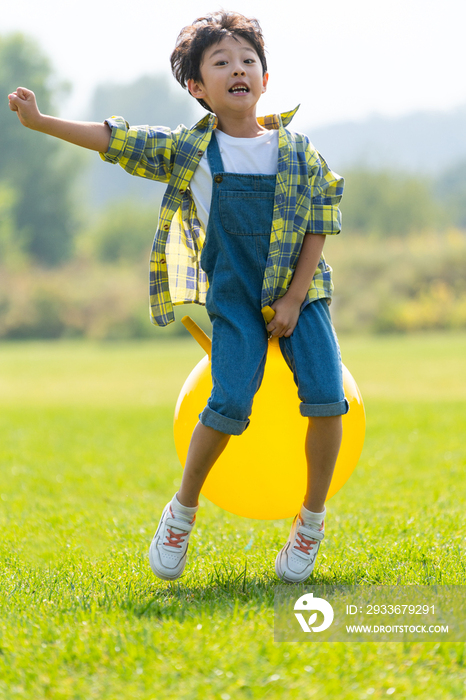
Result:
242,226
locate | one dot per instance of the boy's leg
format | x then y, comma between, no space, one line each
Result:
295,562
226,414
313,354
206,446
169,546
323,442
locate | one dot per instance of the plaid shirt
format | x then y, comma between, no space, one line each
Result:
307,195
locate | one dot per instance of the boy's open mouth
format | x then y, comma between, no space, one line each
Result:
238,88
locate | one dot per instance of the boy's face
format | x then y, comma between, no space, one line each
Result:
232,79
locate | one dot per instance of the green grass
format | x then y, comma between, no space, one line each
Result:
87,464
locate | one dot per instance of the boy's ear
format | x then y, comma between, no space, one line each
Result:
196,89
265,80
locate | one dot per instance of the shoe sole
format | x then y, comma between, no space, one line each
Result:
161,574
283,577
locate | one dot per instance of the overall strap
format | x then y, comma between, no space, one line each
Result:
213,155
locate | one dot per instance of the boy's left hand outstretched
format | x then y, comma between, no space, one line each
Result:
23,101
90,135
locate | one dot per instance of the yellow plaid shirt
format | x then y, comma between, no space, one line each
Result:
307,196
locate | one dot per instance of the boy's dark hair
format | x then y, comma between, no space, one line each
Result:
204,32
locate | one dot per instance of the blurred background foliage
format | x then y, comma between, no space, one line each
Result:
75,233
38,172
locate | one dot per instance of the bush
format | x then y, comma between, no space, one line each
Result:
122,232
390,204
399,285
82,299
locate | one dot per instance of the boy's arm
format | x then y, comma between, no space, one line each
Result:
90,135
325,219
288,307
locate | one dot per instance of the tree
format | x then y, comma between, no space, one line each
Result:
390,204
451,191
122,232
36,167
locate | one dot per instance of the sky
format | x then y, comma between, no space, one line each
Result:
342,60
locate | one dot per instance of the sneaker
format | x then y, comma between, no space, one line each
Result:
295,562
169,547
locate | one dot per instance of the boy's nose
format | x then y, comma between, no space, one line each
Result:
238,71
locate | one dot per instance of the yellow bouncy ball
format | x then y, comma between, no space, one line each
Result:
262,473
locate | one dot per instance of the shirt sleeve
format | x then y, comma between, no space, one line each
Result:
326,193
141,150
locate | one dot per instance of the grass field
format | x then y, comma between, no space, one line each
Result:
87,464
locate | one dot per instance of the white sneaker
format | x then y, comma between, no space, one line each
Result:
169,547
295,562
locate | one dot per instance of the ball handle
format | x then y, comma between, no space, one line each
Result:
268,313
198,334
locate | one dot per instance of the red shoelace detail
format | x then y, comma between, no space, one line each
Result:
175,539
304,545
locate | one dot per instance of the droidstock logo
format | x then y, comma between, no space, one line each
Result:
308,603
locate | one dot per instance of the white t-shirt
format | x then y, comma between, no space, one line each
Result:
256,156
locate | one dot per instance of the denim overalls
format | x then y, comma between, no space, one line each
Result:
234,258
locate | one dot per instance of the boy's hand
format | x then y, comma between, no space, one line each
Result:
86,134
287,310
23,101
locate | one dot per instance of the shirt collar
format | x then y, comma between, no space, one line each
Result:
275,121
271,121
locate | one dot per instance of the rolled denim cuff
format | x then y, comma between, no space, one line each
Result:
324,409
215,420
